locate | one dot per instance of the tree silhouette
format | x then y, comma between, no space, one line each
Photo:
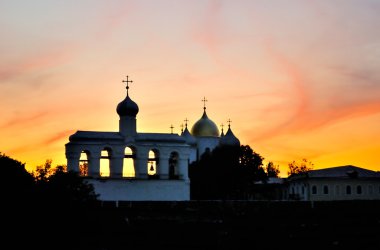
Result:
301,167
59,187
272,170
18,183
228,172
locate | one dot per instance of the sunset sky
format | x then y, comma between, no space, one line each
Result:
298,78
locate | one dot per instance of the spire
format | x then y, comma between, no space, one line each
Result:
186,134
229,123
229,139
222,134
127,81
204,103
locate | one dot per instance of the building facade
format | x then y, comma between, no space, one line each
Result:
336,183
130,165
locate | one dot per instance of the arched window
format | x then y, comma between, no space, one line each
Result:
173,165
359,189
105,157
152,163
348,189
129,163
314,189
84,163
325,189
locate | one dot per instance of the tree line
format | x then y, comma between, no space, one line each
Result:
237,172
227,172
46,186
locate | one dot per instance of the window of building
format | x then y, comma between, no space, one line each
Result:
174,165
152,164
348,189
129,163
83,163
105,161
359,189
325,189
314,190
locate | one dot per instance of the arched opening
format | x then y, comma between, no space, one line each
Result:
348,189
152,164
105,157
84,163
129,163
173,165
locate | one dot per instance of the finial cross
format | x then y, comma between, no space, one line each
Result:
204,100
127,81
229,122
186,122
181,127
222,125
171,127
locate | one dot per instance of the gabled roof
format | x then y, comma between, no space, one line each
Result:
347,171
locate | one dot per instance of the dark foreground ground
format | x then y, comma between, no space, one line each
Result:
198,225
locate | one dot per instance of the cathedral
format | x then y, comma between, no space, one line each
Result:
133,166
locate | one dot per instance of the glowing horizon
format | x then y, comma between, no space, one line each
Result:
298,79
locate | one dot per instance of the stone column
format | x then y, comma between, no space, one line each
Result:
116,164
183,167
73,161
141,163
163,168
94,164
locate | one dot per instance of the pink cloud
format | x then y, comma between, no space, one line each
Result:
58,136
48,59
24,120
304,112
208,31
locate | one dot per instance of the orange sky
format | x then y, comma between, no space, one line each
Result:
299,79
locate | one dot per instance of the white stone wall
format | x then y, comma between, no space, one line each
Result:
206,142
141,190
370,189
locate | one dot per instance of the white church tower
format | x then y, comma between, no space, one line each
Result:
129,165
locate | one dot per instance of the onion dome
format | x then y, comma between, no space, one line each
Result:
229,139
127,107
205,127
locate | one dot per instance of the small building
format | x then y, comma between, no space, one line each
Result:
335,183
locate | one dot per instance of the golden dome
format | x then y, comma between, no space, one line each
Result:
205,127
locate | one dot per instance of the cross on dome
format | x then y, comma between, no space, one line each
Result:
204,100
186,120
127,81
181,127
229,123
